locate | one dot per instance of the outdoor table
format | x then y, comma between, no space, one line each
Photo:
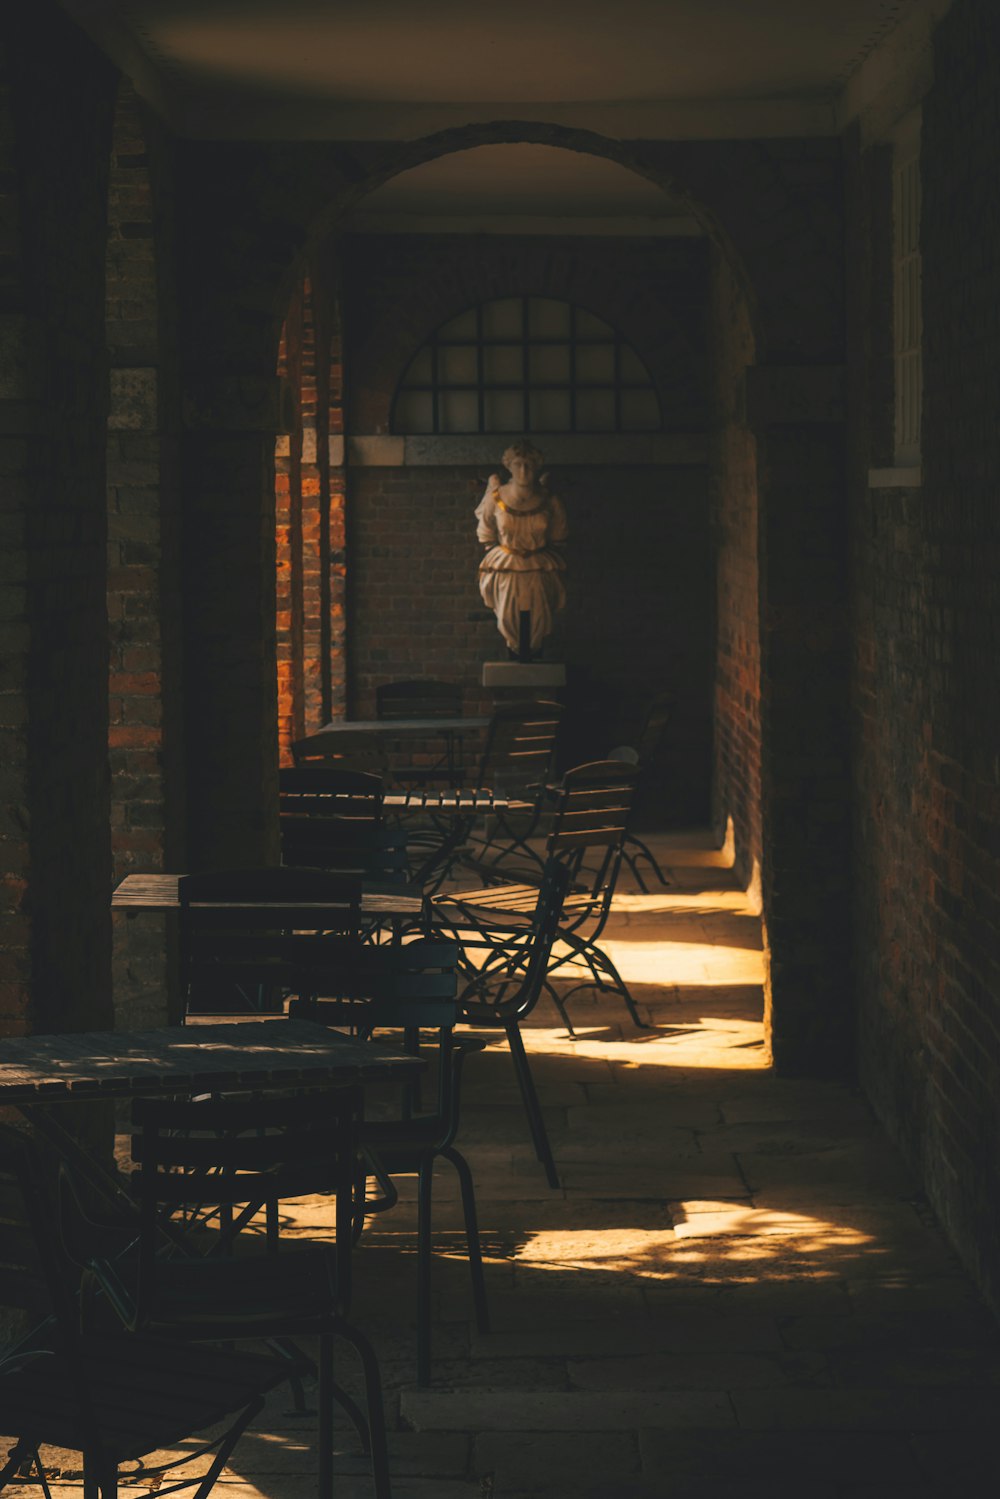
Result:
340,731
245,1055
161,892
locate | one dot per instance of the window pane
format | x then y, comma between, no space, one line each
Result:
631,368
589,326
503,319
503,365
458,411
640,411
504,411
595,411
460,327
456,366
548,319
595,364
549,411
549,364
414,412
419,372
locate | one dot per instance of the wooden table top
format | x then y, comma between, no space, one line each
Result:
160,892
437,799
398,726
79,1065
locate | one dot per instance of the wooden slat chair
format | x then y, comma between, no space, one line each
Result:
235,1158
503,975
235,926
516,762
410,986
590,821
112,1397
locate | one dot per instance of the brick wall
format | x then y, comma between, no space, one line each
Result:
57,861
141,501
736,779
927,701
309,503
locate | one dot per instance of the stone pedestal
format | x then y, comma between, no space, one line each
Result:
523,674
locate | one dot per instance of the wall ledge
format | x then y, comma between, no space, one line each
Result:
620,449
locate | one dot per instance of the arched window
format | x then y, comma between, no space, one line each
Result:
526,364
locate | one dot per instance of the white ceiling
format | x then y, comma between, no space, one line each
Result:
266,66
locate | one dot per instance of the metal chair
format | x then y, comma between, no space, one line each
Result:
235,926
409,986
501,989
591,818
112,1397
232,1158
517,763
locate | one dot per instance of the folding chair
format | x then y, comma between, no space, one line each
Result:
516,762
412,987
235,926
424,698
591,817
234,1158
503,974
112,1397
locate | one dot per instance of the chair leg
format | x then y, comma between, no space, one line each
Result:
619,983
529,1097
557,1001
475,1251
425,1180
647,853
325,1422
376,1443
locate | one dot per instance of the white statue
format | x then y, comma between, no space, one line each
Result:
522,527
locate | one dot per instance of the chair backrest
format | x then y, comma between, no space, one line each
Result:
330,791
410,986
520,745
593,808
249,1152
422,698
368,850
235,929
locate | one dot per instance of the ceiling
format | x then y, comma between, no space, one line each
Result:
392,67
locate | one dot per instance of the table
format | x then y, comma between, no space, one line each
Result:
161,892
76,1066
450,731
377,726
83,1066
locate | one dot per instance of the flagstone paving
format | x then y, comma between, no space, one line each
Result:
737,1291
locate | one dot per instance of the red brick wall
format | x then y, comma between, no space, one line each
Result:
309,504
736,781
927,700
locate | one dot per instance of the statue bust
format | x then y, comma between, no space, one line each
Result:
522,527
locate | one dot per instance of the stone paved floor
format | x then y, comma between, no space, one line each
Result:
738,1293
